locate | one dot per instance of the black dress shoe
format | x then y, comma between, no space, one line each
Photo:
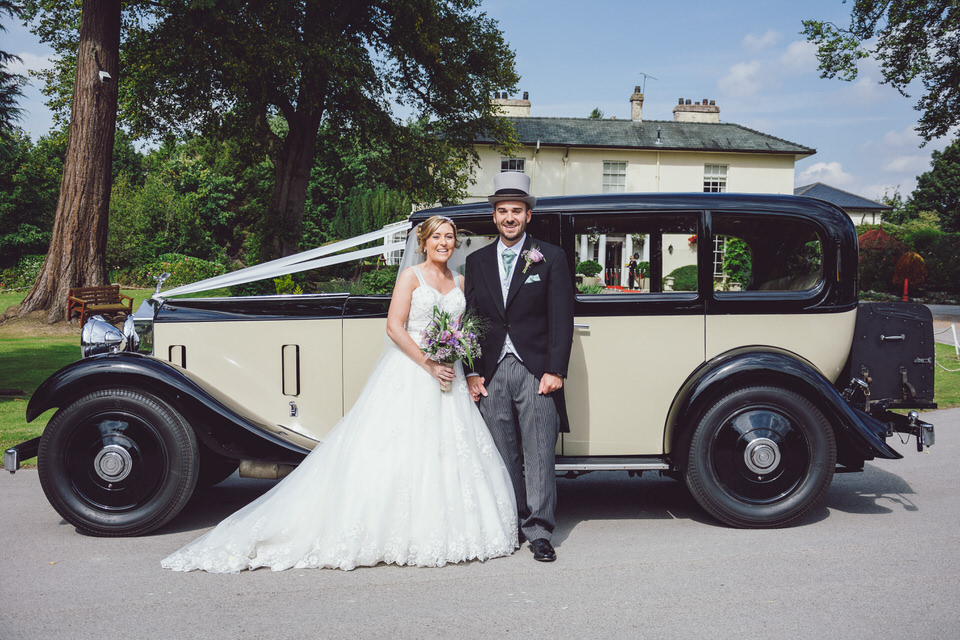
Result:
543,550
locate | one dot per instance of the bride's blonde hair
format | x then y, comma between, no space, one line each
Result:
429,226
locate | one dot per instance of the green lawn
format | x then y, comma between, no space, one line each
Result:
26,361
38,357
14,297
947,383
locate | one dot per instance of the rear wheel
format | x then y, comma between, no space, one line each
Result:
118,462
761,457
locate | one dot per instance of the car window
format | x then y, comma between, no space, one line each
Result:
765,253
636,253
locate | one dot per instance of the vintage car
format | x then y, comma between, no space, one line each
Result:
739,360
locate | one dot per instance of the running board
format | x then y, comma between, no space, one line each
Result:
595,463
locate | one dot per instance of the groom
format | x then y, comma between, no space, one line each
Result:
522,289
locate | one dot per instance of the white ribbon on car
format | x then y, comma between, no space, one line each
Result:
305,261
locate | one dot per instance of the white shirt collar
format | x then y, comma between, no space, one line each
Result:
515,248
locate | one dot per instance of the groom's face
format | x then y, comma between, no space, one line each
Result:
511,218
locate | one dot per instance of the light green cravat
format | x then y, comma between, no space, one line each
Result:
508,256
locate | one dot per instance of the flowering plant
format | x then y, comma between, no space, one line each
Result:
531,255
448,339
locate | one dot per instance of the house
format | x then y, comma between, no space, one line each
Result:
693,152
860,210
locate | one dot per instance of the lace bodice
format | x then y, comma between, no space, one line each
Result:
424,299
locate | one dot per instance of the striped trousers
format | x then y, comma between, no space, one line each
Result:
524,426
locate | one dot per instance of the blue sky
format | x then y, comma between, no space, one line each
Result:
747,55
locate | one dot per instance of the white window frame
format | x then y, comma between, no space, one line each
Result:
715,178
517,165
719,253
614,178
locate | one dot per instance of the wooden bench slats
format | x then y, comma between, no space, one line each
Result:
104,300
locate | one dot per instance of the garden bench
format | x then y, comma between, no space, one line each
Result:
104,300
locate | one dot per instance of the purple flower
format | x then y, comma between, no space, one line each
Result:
531,255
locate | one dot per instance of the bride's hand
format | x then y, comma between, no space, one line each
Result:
441,372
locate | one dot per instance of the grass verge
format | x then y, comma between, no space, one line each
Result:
946,377
27,362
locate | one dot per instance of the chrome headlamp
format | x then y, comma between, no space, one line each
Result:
99,336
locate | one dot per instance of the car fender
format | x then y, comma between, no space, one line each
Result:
857,430
219,427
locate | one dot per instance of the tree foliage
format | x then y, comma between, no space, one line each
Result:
29,181
11,84
912,40
738,261
938,190
348,66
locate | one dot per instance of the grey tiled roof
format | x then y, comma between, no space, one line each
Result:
843,199
627,134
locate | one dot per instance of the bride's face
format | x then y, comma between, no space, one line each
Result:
441,243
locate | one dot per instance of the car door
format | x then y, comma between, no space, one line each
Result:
636,339
774,279
277,360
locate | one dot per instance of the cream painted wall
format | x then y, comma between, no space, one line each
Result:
647,171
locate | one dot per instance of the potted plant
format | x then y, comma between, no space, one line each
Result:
589,269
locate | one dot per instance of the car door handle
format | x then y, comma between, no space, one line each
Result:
898,338
580,326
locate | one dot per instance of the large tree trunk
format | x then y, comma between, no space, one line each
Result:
76,256
292,165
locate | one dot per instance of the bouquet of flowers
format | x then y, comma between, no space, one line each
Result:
448,339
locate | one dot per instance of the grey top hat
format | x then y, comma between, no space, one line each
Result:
512,185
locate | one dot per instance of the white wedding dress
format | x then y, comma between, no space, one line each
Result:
409,476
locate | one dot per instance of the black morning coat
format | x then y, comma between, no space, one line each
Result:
538,313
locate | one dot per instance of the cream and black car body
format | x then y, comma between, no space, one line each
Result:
753,387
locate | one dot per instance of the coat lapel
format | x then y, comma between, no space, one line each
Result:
490,274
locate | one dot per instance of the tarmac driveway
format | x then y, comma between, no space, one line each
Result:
637,558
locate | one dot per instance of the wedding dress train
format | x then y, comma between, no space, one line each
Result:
409,476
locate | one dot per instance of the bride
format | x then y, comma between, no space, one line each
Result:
409,476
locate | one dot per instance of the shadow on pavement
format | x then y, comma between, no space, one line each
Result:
873,491
601,495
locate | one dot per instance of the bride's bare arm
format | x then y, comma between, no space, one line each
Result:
397,316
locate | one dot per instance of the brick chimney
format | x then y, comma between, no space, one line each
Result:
636,105
510,107
702,112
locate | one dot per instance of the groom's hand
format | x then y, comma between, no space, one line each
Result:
476,387
549,383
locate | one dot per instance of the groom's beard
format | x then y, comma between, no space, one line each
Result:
510,234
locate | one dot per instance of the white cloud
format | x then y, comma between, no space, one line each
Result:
907,164
876,192
753,42
865,90
907,137
29,62
743,79
800,56
831,173
767,75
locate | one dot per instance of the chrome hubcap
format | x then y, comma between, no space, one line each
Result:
762,456
113,463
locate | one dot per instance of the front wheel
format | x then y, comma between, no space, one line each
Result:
118,462
761,457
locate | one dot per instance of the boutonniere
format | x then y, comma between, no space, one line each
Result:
531,256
